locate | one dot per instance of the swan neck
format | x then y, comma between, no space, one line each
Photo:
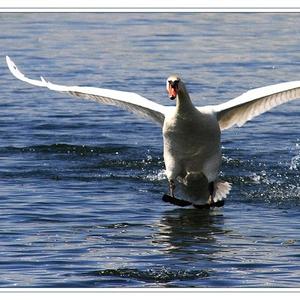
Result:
183,101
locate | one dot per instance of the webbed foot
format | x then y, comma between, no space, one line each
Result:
209,205
175,201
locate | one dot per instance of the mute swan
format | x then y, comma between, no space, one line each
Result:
192,148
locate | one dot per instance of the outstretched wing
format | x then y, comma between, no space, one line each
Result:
255,102
126,100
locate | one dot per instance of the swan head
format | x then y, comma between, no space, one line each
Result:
174,85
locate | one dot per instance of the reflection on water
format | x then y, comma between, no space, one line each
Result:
189,231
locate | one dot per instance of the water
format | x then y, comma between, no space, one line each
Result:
81,183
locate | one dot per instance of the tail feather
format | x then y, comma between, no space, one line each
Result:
222,189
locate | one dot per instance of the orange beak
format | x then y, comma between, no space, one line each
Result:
172,91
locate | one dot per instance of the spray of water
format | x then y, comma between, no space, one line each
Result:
295,161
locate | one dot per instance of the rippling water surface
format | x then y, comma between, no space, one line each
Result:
81,183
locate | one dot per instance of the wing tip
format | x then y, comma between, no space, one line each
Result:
19,75
13,68
10,63
44,80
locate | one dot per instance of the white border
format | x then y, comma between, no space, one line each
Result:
227,293
153,290
150,4
150,9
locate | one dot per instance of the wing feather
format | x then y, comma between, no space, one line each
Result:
126,100
255,102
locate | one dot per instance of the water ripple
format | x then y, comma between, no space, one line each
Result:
163,275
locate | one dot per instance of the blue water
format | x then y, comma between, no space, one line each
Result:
81,183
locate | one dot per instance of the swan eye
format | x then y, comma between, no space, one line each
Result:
174,83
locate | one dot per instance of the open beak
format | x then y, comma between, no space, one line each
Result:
172,91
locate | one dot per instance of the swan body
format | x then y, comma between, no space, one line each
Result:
192,151
192,147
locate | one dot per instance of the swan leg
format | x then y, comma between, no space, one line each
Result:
172,187
171,198
211,189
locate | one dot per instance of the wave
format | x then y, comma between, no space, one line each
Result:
158,275
65,149
253,179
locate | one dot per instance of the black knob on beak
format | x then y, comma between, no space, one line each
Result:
174,84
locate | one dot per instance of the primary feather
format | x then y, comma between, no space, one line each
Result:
126,100
255,102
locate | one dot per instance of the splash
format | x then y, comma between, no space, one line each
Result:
279,189
295,161
157,176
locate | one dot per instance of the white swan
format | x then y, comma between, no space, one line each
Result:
192,150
